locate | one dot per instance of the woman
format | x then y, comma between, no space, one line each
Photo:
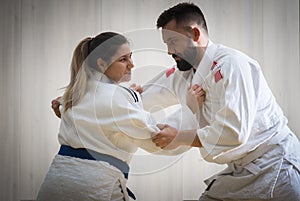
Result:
102,125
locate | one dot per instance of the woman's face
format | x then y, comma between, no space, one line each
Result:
120,69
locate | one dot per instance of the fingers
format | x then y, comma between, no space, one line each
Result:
55,106
137,88
198,91
161,126
156,138
195,97
196,86
160,141
58,114
165,138
56,101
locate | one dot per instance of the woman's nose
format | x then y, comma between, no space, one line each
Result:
131,65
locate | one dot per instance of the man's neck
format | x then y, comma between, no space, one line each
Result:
201,51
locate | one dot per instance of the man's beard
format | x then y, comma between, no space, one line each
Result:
187,62
183,65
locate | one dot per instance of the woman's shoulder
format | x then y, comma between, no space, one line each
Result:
112,93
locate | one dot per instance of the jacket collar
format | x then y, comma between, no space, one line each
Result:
204,66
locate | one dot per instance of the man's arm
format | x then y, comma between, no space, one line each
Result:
164,90
170,138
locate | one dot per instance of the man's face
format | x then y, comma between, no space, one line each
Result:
180,46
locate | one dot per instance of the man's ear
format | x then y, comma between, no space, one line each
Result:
196,34
101,65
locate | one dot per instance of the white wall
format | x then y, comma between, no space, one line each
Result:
37,40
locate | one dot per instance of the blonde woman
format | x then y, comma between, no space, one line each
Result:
102,125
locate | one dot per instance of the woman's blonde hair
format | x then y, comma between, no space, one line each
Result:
84,63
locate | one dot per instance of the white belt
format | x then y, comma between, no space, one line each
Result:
265,147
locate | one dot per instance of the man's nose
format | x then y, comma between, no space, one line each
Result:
170,50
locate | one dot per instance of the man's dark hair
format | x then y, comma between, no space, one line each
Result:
182,13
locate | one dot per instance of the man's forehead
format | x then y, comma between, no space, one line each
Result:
171,34
171,30
168,33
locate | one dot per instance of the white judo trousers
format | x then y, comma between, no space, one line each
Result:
271,172
75,179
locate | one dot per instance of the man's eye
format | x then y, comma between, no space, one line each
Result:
173,41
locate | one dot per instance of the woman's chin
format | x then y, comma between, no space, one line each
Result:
126,78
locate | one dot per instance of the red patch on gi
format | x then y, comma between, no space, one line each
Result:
170,71
213,65
218,76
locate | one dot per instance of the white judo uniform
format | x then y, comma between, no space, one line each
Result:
110,120
241,125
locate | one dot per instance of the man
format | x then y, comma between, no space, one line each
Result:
241,123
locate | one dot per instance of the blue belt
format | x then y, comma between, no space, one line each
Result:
92,155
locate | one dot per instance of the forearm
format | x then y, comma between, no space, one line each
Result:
189,137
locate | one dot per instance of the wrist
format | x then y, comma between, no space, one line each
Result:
188,138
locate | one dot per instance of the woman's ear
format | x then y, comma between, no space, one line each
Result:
101,65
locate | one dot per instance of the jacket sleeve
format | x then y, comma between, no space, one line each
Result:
233,93
181,119
140,126
129,117
166,89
